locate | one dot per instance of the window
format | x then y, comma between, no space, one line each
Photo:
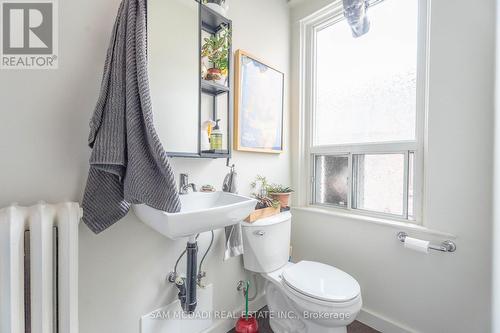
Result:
364,106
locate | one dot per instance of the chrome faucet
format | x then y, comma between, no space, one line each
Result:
184,184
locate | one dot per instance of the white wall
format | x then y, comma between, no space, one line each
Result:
496,199
43,132
438,292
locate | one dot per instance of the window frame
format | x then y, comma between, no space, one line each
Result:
309,26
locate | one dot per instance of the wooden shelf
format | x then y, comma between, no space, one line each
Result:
213,88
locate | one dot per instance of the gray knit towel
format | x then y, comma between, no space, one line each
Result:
128,163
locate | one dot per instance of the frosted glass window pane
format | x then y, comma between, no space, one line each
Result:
332,180
380,182
411,186
366,86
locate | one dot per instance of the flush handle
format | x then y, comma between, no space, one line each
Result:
259,233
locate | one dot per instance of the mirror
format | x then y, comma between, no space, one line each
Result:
174,66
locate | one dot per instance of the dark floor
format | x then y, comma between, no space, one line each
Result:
355,327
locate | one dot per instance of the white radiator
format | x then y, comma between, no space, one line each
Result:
39,268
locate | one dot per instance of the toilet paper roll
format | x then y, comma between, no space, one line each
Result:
417,244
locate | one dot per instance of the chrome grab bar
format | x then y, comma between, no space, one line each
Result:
446,246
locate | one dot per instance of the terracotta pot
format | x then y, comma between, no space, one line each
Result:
216,75
283,198
214,71
213,74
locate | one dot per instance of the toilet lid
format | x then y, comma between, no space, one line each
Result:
321,281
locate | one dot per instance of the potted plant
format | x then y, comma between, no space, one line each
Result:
216,49
280,193
266,206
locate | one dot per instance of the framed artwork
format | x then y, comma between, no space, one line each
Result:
258,105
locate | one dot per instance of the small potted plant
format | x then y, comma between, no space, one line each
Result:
216,50
280,193
266,206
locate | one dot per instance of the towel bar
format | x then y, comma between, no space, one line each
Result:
446,246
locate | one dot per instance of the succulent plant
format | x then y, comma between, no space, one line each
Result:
260,185
276,188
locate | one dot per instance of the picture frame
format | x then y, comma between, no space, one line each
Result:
258,105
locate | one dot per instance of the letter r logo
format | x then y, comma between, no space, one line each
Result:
27,28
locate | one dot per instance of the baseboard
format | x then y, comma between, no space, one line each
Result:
381,323
225,325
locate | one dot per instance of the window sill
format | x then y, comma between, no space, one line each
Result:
400,225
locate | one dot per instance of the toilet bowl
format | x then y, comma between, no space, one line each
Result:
306,297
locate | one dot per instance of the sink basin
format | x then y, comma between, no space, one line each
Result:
200,212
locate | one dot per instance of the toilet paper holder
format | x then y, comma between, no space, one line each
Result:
446,246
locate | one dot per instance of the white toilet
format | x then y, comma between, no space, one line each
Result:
306,297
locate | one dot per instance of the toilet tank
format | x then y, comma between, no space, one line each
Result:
266,243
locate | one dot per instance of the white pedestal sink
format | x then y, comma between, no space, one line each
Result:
200,212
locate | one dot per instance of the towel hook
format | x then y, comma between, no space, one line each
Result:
232,166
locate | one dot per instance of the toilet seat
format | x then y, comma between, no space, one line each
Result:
318,281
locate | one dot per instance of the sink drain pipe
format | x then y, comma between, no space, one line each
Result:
187,286
191,275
